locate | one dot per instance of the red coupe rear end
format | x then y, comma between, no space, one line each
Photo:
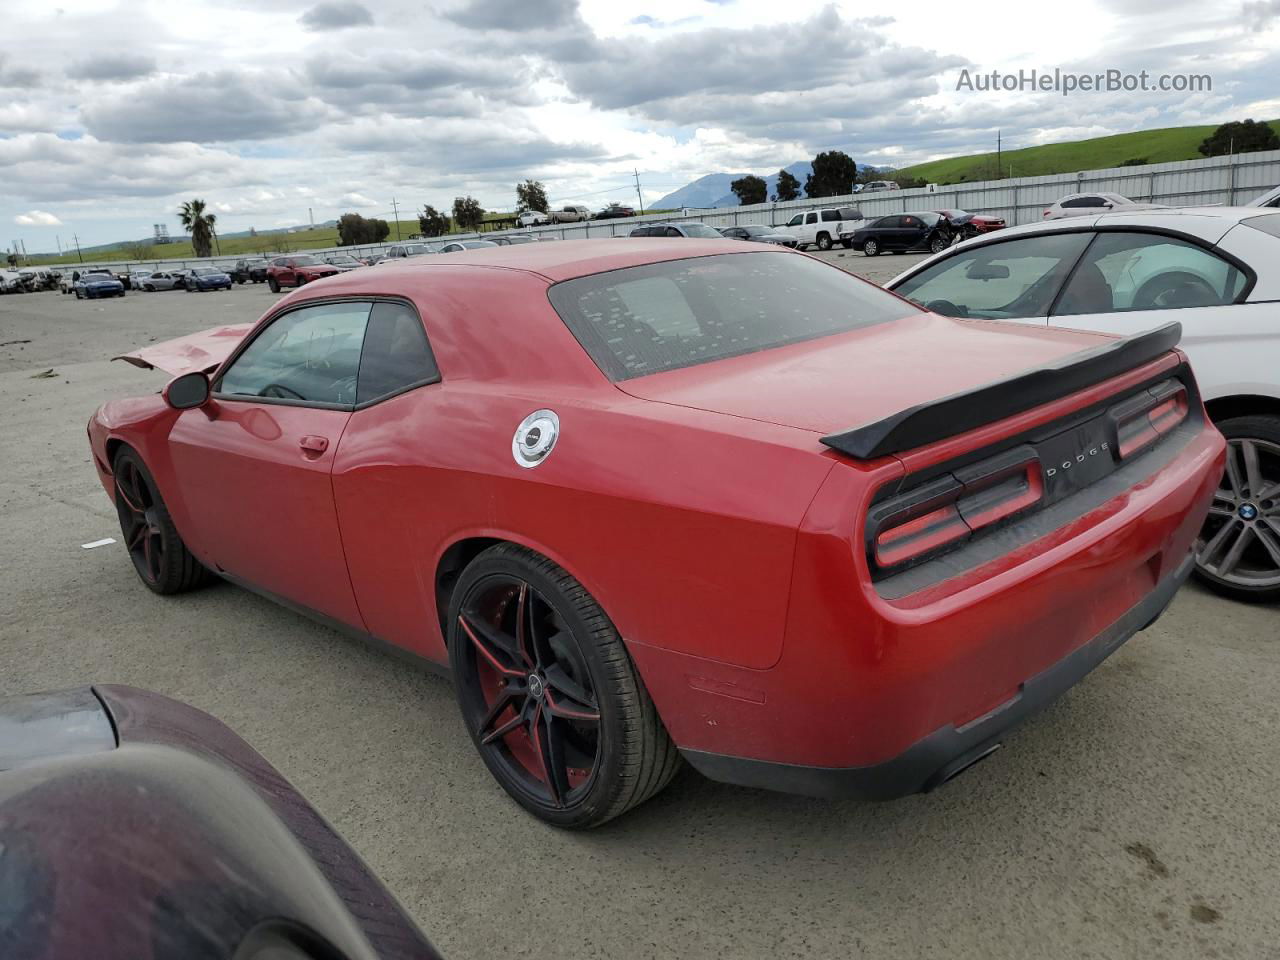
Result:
679,495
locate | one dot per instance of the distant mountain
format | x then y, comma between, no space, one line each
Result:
713,190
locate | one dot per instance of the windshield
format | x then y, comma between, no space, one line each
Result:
204,271
699,230
306,262
663,316
756,231
343,261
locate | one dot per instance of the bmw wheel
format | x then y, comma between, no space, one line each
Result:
549,694
871,248
1238,552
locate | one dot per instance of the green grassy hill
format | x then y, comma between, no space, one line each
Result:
1154,146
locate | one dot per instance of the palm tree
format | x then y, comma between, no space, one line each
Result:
200,225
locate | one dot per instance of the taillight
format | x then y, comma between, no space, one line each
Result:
1142,420
945,511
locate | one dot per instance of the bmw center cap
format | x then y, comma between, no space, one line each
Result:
1248,511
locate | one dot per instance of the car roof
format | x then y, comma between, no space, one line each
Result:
1205,223
576,258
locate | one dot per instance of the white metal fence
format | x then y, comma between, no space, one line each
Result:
1223,181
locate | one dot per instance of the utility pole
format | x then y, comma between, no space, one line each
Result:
58,240
999,169
216,245
638,195
78,253
396,213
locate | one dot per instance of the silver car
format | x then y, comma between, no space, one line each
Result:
164,280
457,246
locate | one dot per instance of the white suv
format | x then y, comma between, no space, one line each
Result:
824,228
1213,269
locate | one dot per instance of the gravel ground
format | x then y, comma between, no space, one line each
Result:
1137,817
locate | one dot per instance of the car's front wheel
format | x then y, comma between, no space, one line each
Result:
274,284
161,559
939,243
549,694
871,248
1238,551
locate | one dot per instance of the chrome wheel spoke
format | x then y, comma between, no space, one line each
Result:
1233,477
1252,469
1236,551
1216,542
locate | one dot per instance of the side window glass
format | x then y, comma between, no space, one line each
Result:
1009,280
1142,271
1076,202
830,215
811,218
311,354
673,232
796,220
396,354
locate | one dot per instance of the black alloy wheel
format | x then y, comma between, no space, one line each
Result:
1238,551
548,692
159,556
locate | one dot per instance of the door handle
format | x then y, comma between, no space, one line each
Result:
314,445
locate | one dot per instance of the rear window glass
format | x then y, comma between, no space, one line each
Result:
664,316
1269,223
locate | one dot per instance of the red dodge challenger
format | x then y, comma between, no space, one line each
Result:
664,499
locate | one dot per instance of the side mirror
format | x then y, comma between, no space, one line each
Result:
187,391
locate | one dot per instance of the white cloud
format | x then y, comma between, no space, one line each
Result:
37,218
355,199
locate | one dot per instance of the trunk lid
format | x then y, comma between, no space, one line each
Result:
864,376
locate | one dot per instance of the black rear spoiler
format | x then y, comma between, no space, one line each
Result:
961,412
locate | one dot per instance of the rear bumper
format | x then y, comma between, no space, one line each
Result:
933,760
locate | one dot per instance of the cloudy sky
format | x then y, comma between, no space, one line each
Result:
111,114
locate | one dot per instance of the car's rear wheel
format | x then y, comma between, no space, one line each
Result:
1238,551
549,694
274,284
161,559
871,248
824,241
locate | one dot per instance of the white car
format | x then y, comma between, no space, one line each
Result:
1269,199
876,186
458,246
824,228
1215,270
1091,204
137,279
532,218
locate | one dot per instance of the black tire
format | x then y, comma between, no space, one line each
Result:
299,279
939,243
847,244
274,284
824,241
160,558
871,248
79,295
1255,575
632,755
